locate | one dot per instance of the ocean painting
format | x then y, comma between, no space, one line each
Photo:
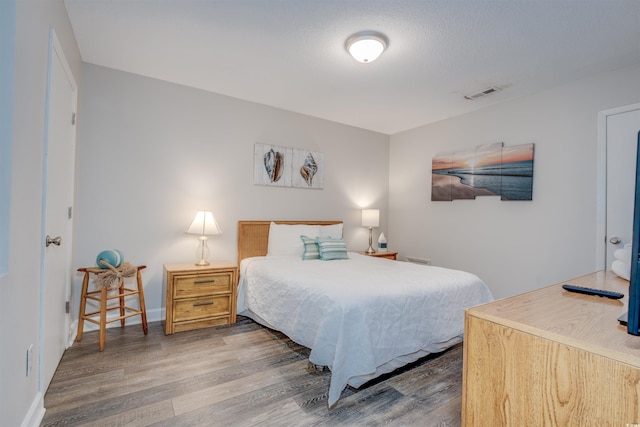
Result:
441,183
489,170
517,172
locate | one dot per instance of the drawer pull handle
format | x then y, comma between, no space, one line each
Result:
198,304
200,282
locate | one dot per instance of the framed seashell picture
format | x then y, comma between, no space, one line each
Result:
288,167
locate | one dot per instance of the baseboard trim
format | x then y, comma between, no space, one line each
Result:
36,412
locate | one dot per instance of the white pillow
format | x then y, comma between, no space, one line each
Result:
284,239
333,230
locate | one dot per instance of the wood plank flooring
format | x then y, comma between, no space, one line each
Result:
236,375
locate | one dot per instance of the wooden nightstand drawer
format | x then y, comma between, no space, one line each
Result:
198,308
202,284
200,323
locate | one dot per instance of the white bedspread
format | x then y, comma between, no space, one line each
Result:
359,315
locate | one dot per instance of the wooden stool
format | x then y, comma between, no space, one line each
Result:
102,296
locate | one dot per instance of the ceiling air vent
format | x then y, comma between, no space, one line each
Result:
484,92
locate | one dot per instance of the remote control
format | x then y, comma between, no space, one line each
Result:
591,291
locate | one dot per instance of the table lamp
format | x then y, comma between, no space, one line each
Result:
370,218
204,224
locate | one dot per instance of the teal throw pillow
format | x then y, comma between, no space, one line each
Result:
331,249
311,250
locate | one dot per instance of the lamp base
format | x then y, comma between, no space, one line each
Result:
202,253
370,250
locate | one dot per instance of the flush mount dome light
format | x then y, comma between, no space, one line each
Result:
366,46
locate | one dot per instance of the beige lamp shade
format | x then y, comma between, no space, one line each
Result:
370,218
204,224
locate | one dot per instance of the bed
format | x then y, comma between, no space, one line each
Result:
362,316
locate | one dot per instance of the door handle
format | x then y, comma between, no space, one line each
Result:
615,240
56,240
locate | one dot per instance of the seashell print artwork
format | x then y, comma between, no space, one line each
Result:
278,166
274,164
309,169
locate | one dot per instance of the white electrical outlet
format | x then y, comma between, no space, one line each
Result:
29,359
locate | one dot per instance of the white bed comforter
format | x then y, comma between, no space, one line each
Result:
359,316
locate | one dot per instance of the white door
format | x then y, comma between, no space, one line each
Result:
58,199
622,139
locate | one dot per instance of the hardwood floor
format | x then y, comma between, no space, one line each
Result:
236,375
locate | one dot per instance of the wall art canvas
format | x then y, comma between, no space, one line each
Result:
441,181
517,172
287,167
272,165
307,169
487,170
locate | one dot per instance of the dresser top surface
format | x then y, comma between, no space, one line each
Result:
192,267
583,321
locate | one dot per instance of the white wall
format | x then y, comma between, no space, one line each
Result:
151,153
20,303
7,63
520,245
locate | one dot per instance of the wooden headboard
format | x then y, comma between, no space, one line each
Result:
253,236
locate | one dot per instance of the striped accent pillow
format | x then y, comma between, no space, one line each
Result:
311,250
331,249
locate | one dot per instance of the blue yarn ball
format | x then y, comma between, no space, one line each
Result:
112,256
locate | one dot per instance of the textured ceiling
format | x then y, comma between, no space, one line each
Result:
290,54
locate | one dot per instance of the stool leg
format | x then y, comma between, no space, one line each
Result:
103,318
121,290
83,304
141,299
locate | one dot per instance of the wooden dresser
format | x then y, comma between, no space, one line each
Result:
198,297
552,358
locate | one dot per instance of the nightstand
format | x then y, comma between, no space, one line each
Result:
388,255
198,297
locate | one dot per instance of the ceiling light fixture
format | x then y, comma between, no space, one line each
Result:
366,46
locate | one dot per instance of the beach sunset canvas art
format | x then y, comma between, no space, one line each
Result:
517,172
441,183
488,170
